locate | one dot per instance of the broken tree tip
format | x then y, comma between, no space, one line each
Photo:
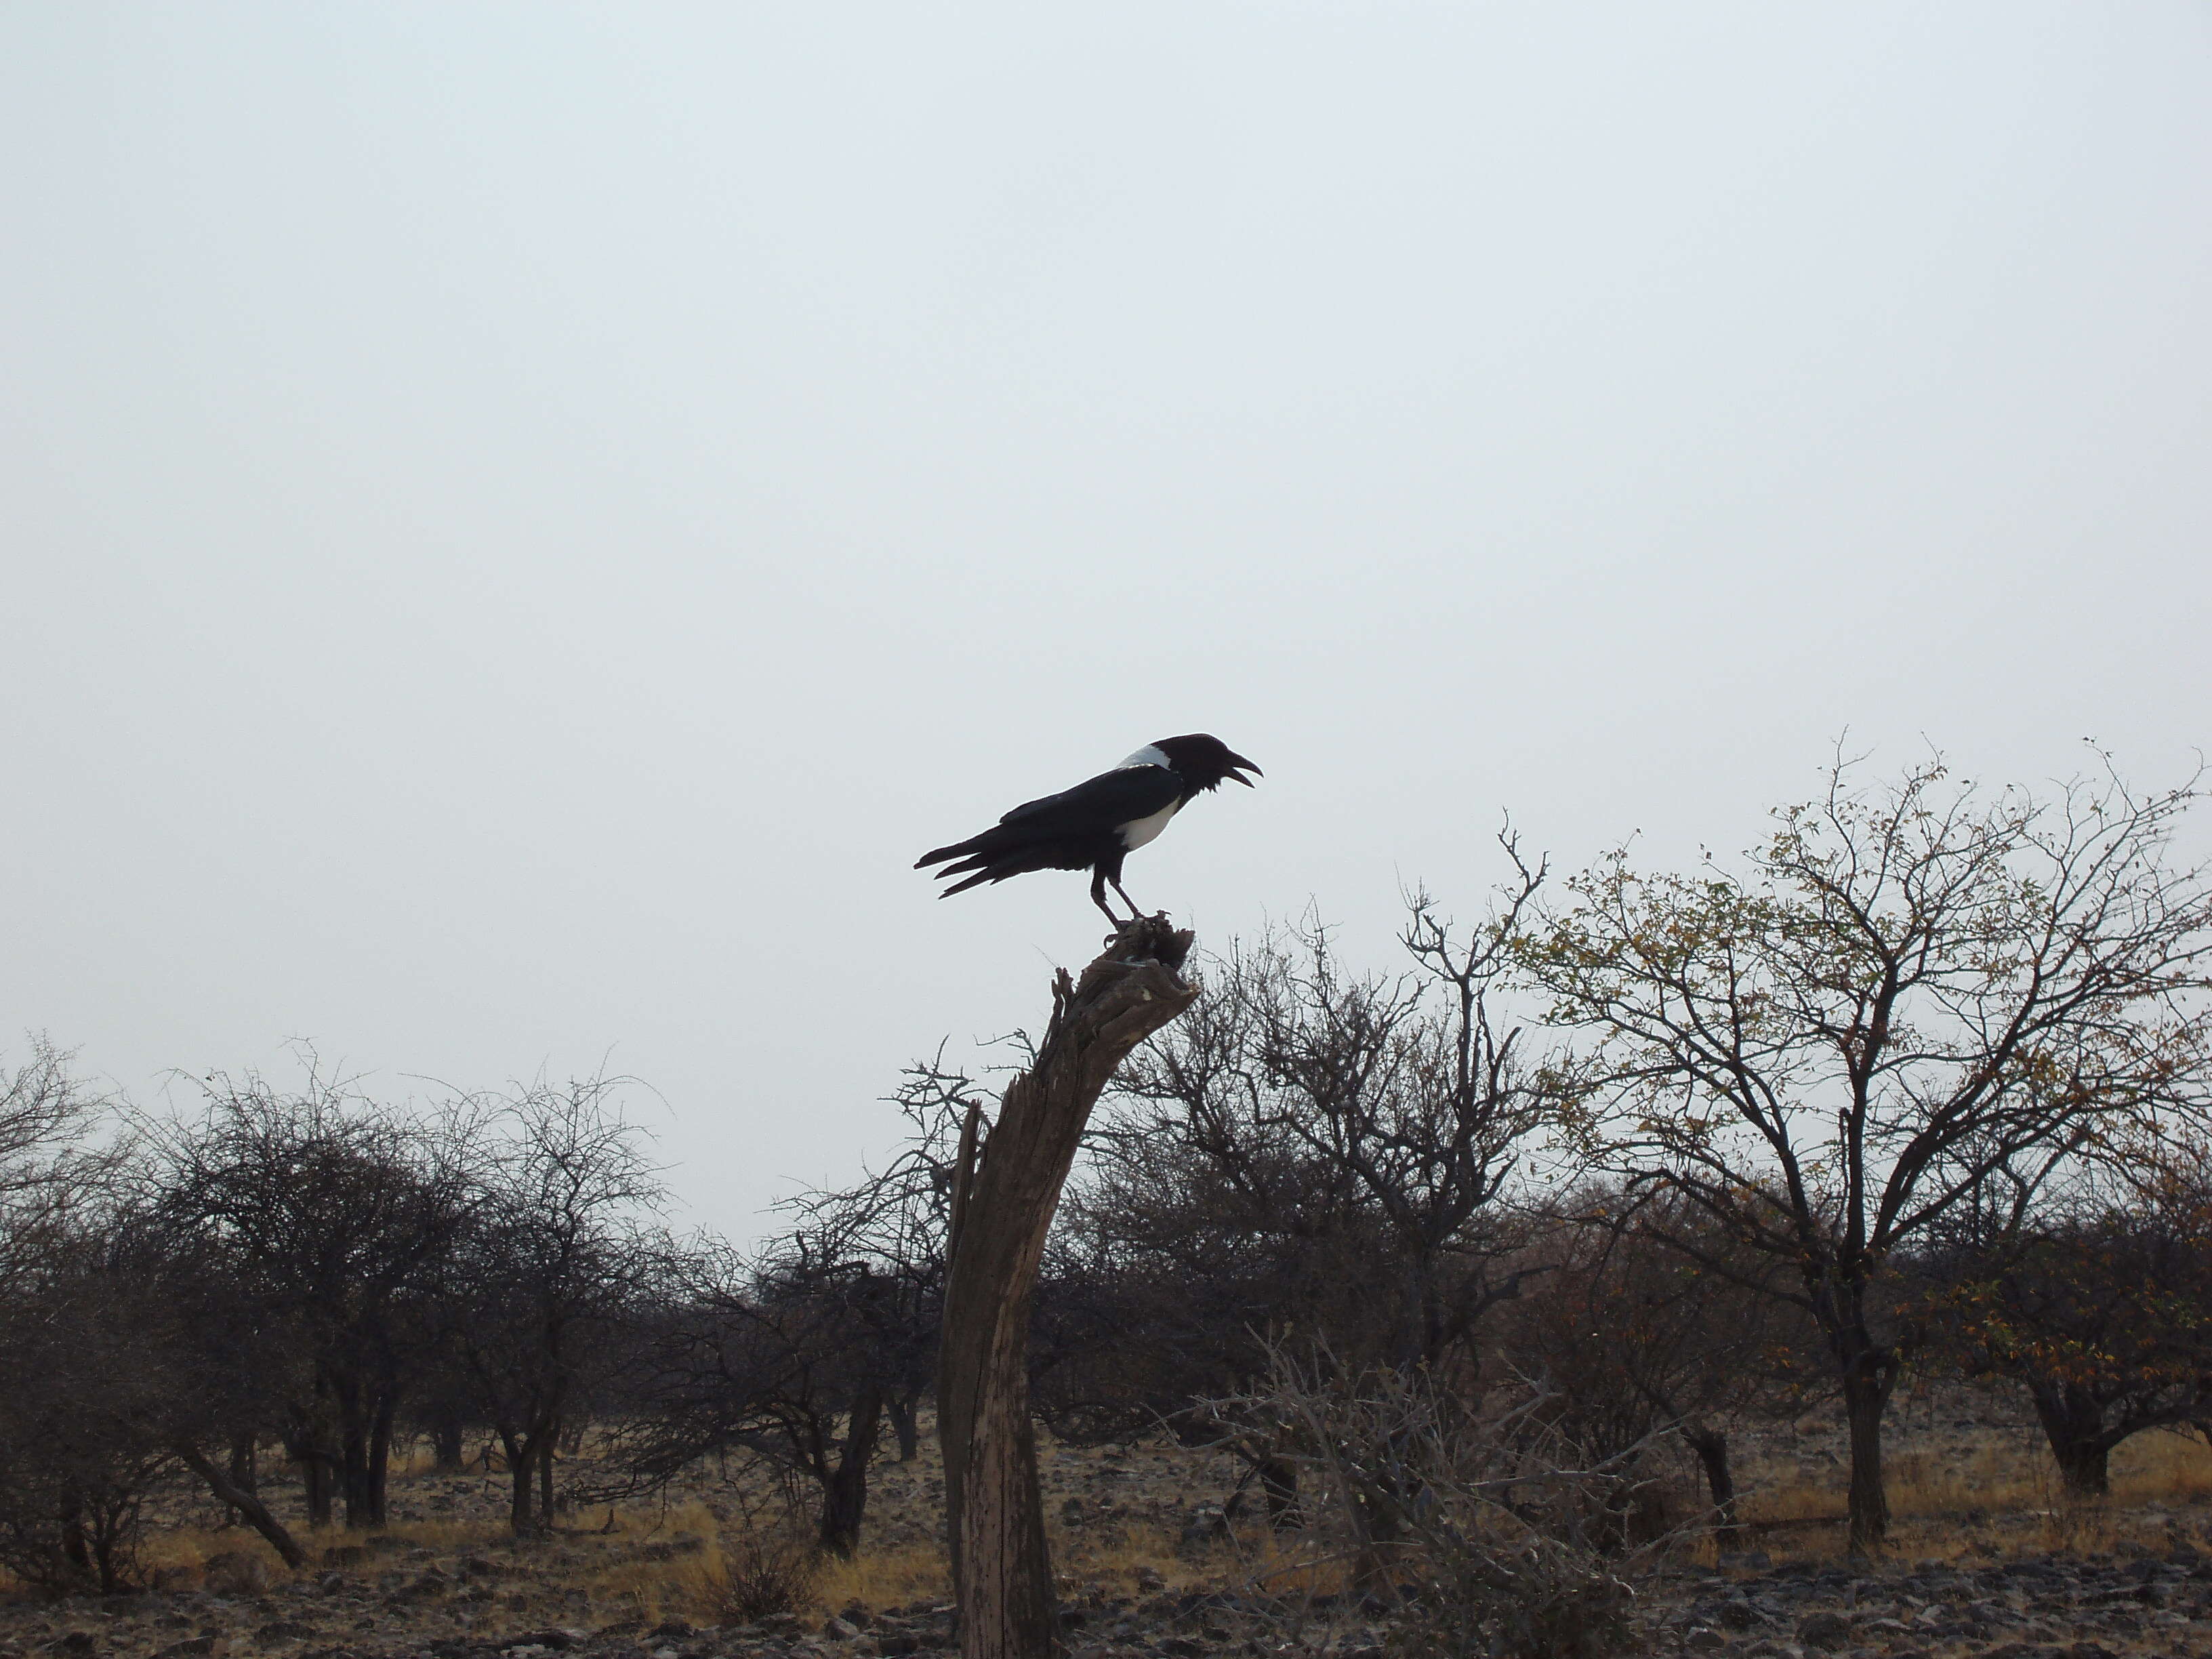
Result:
1150,939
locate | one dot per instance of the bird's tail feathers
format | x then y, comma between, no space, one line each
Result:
976,880
958,850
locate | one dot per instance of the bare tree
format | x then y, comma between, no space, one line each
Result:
340,1213
888,1233
77,1382
226,1359
1908,989
1345,1138
81,1395
533,1294
46,1163
776,1357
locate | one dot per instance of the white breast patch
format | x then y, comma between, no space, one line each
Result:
1138,831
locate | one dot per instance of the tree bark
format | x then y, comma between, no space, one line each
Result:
1004,1192
522,1449
244,1500
448,1439
1865,1396
845,1492
2073,1422
305,1447
315,1478
245,1472
1712,1449
906,1424
379,1455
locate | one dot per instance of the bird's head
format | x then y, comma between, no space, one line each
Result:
1202,760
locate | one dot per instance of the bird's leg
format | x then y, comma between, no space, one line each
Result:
1134,913
1098,898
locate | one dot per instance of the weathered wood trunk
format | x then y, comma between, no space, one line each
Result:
1004,1192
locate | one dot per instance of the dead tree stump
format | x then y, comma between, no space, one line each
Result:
1006,1188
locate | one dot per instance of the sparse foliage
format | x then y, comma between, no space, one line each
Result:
1907,991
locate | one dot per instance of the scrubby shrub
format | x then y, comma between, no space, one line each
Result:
1485,1529
765,1570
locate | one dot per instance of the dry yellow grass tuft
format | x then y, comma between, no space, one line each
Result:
887,1578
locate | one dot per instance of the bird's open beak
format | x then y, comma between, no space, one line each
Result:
1236,761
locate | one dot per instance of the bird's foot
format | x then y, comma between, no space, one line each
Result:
1139,921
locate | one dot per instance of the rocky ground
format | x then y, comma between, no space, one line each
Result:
1157,1564
412,1603
2049,1607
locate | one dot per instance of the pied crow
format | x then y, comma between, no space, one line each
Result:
1097,825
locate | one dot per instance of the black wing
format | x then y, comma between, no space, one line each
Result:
1066,831
1100,802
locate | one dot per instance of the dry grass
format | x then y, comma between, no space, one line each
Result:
887,1578
1987,1492
2003,1472
1956,1491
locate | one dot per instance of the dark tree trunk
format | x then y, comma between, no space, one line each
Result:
315,1475
1866,1397
845,1492
522,1453
245,1474
304,1448
76,1547
545,1479
1712,1449
360,1472
449,1439
245,1500
379,1455
353,1454
906,1424
2073,1422
1002,1206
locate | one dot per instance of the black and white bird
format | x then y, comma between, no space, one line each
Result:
1097,825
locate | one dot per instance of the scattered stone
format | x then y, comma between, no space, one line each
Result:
1207,1522
1736,1614
1824,1630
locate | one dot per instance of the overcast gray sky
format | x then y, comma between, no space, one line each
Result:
522,522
